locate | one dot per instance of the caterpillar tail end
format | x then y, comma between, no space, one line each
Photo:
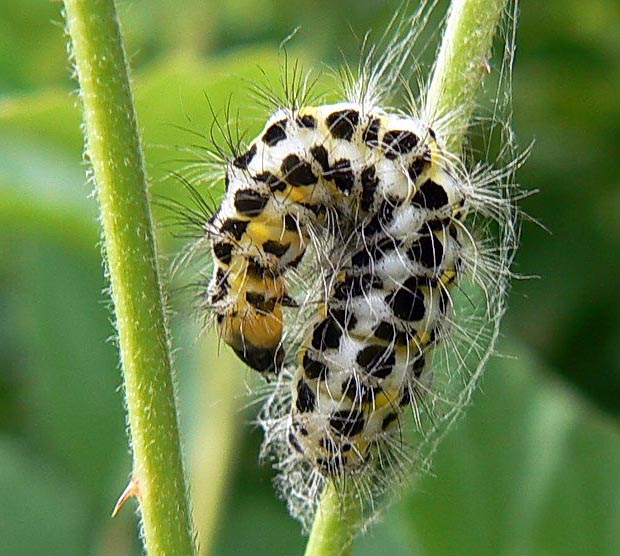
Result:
257,341
266,361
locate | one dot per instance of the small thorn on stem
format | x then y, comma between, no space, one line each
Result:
486,64
130,491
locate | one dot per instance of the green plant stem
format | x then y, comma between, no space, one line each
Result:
461,65
114,150
334,526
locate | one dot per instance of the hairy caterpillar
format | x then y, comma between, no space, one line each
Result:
341,245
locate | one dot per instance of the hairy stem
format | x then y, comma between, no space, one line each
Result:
114,150
334,526
462,63
459,70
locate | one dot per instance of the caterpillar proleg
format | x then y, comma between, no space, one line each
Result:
363,267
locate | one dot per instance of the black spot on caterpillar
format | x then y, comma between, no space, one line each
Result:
342,123
275,133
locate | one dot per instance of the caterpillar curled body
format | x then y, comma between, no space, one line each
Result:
362,268
374,179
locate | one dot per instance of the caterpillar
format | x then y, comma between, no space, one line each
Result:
347,250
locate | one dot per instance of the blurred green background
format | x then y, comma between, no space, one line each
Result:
533,468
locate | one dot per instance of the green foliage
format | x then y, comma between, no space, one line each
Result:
531,470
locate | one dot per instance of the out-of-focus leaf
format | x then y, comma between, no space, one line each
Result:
567,79
32,49
254,521
74,404
530,470
42,511
43,192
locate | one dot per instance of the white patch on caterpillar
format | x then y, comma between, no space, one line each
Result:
365,270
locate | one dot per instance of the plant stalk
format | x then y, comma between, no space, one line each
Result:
461,65
113,148
334,526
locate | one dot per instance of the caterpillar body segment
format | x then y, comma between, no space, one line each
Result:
305,163
249,314
366,357
259,232
396,253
